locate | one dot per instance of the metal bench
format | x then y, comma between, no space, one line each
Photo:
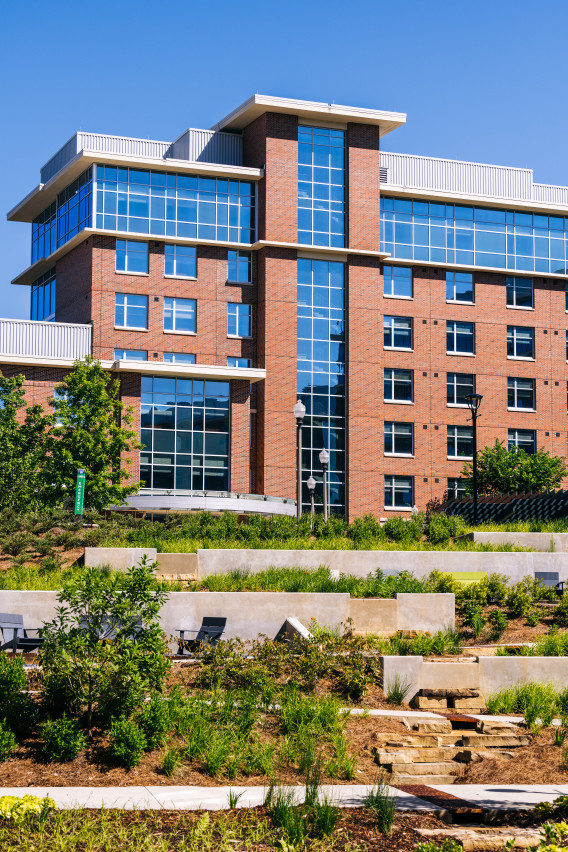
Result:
209,633
15,636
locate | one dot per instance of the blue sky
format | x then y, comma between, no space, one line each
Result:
481,80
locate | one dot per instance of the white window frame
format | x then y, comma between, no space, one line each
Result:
394,478
239,254
513,306
515,444
238,306
452,274
455,383
516,357
175,273
125,356
126,270
515,389
173,307
246,365
399,401
392,326
125,307
174,356
455,351
393,430
454,439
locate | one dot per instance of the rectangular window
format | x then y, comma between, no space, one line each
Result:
321,186
398,281
456,488
460,442
234,361
520,292
130,311
399,439
397,332
399,492
132,256
179,358
43,297
520,342
240,267
521,393
566,297
180,261
460,338
459,385
239,320
459,287
398,385
523,439
130,355
179,315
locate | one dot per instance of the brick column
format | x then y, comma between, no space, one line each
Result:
363,187
130,384
240,437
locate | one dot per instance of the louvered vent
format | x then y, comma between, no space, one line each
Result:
384,174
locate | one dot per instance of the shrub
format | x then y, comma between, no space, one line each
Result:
19,809
62,739
127,742
497,588
533,617
155,720
473,617
8,742
171,761
519,600
499,623
397,689
382,803
399,529
16,705
366,528
442,527
561,612
16,544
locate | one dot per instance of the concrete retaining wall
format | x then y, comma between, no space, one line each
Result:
543,542
501,672
117,558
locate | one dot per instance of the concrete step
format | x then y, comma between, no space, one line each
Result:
423,779
415,755
441,768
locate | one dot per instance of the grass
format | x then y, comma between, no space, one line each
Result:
532,700
397,689
382,803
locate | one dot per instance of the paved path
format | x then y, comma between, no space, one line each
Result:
502,797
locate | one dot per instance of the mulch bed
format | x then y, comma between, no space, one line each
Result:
537,763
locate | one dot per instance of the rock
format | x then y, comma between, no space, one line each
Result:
474,704
433,726
463,692
478,741
426,703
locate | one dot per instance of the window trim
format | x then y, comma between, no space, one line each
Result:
173,310
454,332
241,336
126,240
125,307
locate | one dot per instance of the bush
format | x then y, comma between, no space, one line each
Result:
155,720
382,803
561,612
8,742
16,544
19,809
519,600
399,529
127,742
473,616
442,527
499,623
16,706
366,528
62,739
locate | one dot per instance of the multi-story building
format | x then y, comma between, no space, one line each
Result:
284,254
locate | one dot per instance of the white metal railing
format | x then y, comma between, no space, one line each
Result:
44,339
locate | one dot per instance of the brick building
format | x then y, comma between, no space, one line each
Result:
282,255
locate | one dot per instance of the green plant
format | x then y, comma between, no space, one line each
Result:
154,719
62,739
532,700
234,799
8,742
397,689
127,742
382,803
499,623
17,707
449,844
519,599
473,616
533,617
561,612
559,735
502,471
442,527
171,761
558,809
19,809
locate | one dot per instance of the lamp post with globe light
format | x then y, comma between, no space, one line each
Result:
324,461
299,414
474,401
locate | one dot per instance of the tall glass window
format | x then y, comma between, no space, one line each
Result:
180,261
474,236
69,214
321,375
239,320
43,297
321,186
185,434
172,205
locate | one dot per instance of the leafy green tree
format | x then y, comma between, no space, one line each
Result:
91,431
105,648
502,471
24,434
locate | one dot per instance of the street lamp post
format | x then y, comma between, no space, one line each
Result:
311,483
474,401
299,414
324,461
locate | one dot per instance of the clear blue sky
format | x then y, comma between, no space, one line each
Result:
483,80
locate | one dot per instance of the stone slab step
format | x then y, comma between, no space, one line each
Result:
477,741
393,741
415,755
423,779
442,768
433,726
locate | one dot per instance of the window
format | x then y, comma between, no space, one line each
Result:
43,297
460,338
130,311
180,261
398,332
239,320
131,256
398,385
522,439
399,492
179,358
456,488
460,442
233,361
520,342
459,385
130,355
521,393
398,281
65,217
179,315
566,296
240,267
399,439
520,292
321,186
459,287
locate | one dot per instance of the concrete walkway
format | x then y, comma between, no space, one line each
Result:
493,796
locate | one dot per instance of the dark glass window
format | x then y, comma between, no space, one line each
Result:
321,186
520,342
397,332
399,439
398,385
456,488
521,393
240,267
460,338
43,297
459,385
459,287
520,292
460,442
399,492
522,439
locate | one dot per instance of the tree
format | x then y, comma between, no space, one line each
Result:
502,471
92,431
24,435
105,648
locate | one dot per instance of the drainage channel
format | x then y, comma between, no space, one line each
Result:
452,809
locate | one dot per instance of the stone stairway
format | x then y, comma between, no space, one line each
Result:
435,751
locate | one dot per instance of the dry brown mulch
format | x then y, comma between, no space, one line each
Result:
537,763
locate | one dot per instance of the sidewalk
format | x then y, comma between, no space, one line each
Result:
491,796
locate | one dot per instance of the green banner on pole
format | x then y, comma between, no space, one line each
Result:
80,492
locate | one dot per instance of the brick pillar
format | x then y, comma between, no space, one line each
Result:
130,384
363,187
240,437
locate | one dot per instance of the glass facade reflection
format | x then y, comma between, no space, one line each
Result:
321,375
321,186
59,222
474,236
139,201
43,297
184,429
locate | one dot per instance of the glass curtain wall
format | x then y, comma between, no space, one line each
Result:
321,186
59,223
321,376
